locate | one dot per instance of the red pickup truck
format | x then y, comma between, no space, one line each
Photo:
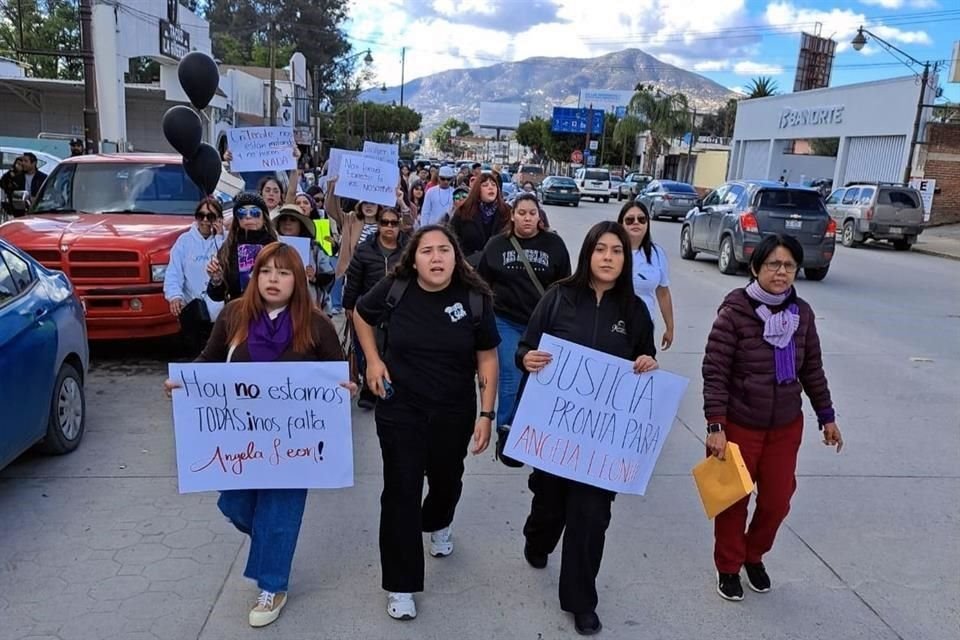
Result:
109,222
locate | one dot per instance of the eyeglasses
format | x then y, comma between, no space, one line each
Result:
249,211
775,265
445,179
389,223
209,217
635,220
459,197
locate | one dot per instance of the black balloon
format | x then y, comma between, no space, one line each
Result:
199,78
204,168
183,129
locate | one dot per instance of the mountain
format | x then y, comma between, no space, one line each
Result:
543,83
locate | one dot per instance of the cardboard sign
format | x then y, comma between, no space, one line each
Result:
261,149
262,425
302,245
381,151
588,417
336,158
368,180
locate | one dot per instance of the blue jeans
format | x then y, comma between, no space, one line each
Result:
271,517
336,295
510,334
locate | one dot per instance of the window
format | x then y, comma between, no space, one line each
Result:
716,197
852,197
595,174
682,187
900,197
866,195
653,187
794,199
836,196
8,289
18,269
733,194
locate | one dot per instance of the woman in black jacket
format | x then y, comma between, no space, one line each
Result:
482,215
250,231
597,308
373,259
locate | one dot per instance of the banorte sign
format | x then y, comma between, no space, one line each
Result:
811,116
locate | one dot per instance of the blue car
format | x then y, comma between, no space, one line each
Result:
43,357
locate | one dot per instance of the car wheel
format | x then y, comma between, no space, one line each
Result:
727,262
902,245
816,274
686,244
576,203
68,412
619,197
606,200
848,237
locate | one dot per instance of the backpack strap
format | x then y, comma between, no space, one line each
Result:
476,308
397,288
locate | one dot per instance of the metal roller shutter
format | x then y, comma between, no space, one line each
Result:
755,156
875,158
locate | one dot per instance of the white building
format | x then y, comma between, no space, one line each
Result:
873,120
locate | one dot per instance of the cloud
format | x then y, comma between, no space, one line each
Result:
711,65
899,4
748,68
500,16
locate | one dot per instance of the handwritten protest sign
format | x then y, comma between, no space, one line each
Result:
381,151
369,180
264,425
261,149
336,158
302,245
588,417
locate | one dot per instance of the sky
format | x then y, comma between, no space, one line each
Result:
728,41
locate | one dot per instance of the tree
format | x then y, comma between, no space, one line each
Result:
762,87
48,25
359,121
825,146
665,116
534,134
625,136
452,128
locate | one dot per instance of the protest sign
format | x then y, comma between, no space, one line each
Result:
302,245
261,149
369,180
380,151
336,158
589,418
264,425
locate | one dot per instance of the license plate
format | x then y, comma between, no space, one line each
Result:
895,230
794,224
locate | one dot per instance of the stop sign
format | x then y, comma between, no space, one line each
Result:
576,156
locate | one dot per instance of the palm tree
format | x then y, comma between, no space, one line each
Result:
625,133
666,116
761,87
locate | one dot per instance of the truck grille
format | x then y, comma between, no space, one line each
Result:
103,256
104,272
49,257
89,266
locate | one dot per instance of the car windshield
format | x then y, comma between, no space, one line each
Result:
121,187
597,175
563,182
790,199
532,168
678,187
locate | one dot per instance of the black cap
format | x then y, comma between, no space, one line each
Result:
76,141
250,197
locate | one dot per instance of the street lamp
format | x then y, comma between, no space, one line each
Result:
858,43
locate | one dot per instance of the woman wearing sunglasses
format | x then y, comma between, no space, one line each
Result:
250,231
185,282
651,273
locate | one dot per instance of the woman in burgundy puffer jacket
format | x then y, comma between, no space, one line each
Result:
762,352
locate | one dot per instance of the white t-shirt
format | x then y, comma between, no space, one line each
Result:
647,276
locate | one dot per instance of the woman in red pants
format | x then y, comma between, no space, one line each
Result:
762,352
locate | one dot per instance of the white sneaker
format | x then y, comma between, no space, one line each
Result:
400,606
441,543
267,608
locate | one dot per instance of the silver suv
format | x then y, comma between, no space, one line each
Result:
877,211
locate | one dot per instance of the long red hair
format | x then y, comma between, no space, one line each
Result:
470,207
250,306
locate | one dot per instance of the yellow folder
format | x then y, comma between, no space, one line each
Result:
722,483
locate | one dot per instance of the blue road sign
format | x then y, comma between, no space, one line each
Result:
621,112
573,120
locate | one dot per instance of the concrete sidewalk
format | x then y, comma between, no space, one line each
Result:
942,241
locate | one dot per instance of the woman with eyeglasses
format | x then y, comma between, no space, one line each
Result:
274,321
185,281
482,215
250,231
519,265
762,353
651,272
374,259
597,308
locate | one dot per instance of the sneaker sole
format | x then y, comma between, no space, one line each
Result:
258,622
725,596
402,617
755,589
438,553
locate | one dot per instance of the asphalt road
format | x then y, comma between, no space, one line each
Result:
99,544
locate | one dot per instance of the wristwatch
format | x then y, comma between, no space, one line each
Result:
488,414
714,427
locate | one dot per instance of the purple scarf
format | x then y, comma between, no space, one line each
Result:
267,338
487,211
778,329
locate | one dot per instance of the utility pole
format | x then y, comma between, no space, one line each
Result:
316,113
403,65
91,118
924,79
273,75
586,146
693,136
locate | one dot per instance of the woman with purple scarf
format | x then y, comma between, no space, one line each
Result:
274,320
762,352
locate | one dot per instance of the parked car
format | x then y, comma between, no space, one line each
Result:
109,221
529,173
877,211
44,357
615,183
633,184
732,220
593,183
559,190
667,199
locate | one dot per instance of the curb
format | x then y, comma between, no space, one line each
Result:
934,252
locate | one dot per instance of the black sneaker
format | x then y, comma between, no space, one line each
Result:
534,559
587,624
729,587
757,577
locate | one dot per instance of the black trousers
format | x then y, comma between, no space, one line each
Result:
417,438
581,513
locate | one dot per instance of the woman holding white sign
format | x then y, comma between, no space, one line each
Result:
437,338
597,308
274,321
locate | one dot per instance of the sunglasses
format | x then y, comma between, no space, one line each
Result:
459,197
389,223
209,217
249,211
445,179
635,220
